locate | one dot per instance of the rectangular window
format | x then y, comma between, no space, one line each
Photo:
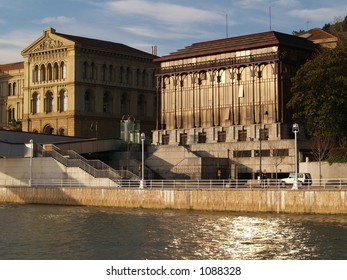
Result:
183,139
280,152
264,153
202,137
243,153
264,134
242,135
165,138
222,136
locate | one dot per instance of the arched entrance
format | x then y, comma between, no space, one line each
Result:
48,129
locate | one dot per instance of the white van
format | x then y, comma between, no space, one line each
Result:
303,179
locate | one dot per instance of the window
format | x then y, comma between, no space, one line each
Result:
125,104
222,136
55,71
63,70
88,101
110,73
264,134
202,137
11,114
103,73
183,139
280,152
242,135
85,70
42,73
106,103
243,153
14,92
140,105
48,102
165,138
9,89
49,72
264,153
93,71
62,101
36,74
35,103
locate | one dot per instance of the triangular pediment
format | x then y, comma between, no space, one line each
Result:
48,41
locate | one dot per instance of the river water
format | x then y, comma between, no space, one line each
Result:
103,233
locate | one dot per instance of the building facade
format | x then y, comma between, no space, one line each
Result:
75,86
11,94
228,98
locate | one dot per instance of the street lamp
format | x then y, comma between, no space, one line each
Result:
143,160
295,130
31,161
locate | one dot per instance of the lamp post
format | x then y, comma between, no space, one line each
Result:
295,130
143,160
31,161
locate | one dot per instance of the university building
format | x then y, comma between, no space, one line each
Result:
75,86
226,99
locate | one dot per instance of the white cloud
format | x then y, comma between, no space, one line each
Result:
321,14
56,20
166,13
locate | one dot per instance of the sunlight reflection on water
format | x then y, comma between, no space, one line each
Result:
52,232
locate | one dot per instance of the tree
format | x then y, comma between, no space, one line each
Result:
319,94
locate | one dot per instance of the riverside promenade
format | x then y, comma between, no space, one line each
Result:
238,200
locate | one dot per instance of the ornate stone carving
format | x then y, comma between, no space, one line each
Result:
48,44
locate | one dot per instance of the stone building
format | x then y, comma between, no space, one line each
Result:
227,99
11,93
75,86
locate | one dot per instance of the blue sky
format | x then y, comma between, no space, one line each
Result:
169,24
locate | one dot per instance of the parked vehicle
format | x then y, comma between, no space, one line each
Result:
303,179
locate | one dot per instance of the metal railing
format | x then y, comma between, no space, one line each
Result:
95,168
267,184
324,184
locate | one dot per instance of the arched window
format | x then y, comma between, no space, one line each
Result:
11,114
93,71
48,129
62,101
128,76
49,72
14,92
103,73
121,74
48,105
144,78
36,74
35,103
125,104
61,131
138,80
141,105
110,73
63,70
85,70
9,89
88,101
107,103
42,73
56,71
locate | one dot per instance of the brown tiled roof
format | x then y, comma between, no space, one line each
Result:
258,40
107,46
316,34
11,66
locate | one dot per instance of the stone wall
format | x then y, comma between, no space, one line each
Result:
278,201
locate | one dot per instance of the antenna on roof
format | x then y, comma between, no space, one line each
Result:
307,22
270,17
154,50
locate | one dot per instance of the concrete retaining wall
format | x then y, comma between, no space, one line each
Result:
280,201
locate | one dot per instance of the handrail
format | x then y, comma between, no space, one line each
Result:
95,168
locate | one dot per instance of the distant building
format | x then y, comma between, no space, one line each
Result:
320,37
11,93
228,98
75,86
